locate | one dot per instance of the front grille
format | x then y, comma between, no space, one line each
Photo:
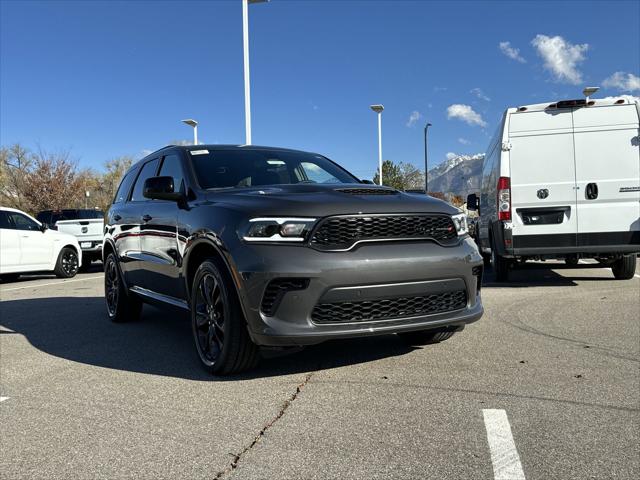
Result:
276,290
367,191
390,308
340,233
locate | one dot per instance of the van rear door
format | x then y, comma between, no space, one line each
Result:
607,175
542,170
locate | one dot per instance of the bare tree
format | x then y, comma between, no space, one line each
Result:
15,163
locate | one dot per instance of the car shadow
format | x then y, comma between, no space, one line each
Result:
95,267
160,342
540,274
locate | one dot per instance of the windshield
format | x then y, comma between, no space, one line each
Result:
247,168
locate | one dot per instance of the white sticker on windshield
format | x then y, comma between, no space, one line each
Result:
199,152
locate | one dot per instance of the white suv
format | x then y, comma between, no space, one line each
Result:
27,245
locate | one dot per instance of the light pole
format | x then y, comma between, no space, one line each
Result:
247,85
194,124
378,109
426,163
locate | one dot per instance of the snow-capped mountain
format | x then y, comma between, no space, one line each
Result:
457,175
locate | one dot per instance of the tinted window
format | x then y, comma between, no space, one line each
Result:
245,168
171,167
124,188
4,220
44,217
22,222
149,170
71,214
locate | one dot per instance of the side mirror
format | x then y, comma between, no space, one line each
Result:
368,182
160,188
473,202
43,227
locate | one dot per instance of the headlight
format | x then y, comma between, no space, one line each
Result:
278,229
461,224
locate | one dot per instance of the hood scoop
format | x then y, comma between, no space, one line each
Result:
367,191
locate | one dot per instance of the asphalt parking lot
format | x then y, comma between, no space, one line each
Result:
555,361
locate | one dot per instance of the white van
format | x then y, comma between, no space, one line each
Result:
562,180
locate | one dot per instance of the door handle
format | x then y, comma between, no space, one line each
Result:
591,192
146,218
117,217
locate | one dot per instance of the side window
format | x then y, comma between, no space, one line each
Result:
148,170
172,167
4,221
124,188
310,172
22,222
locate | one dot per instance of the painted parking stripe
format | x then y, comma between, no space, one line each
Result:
504,455
2,399
636,275
50,283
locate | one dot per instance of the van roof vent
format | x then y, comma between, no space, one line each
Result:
581,102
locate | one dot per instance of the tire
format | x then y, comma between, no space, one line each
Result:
426,337
121,305
67,263
571,260
10,277
219,328
486,259
499,264
625,267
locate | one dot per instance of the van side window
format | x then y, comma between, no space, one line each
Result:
148,170
124,188
172,167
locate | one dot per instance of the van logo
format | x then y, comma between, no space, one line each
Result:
543,193
85,229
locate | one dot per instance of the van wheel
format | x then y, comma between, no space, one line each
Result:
486,259
625,267
500,265
426,337
9,277
571,260
121,305
219,327
67,263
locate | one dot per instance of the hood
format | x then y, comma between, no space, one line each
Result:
318,200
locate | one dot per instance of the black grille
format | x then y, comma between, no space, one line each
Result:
276,290
387,309
367,191
339,233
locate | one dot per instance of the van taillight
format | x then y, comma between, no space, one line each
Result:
504,198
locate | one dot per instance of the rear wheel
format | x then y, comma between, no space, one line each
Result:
9,277
499,264
571,260
426,337
625,267
219,327
67,264
121,305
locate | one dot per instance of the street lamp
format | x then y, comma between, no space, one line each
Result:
194,124
588,91
247,88
426,164
378,109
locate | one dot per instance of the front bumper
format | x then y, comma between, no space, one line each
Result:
370,272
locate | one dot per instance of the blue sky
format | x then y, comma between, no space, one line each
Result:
111,78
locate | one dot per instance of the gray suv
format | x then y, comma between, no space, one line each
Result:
269,247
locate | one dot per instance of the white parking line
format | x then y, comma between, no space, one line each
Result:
50,283
2,399
636,275
504,455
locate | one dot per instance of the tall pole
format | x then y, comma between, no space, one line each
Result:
380,144
195,134
426,160
247,89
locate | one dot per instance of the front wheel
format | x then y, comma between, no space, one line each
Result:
67,264
121,305
219,327
625,267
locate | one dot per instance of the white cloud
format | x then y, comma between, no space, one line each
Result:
464,141
480,94
451,155
625,82
512,52
413,118
466,114
561,57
